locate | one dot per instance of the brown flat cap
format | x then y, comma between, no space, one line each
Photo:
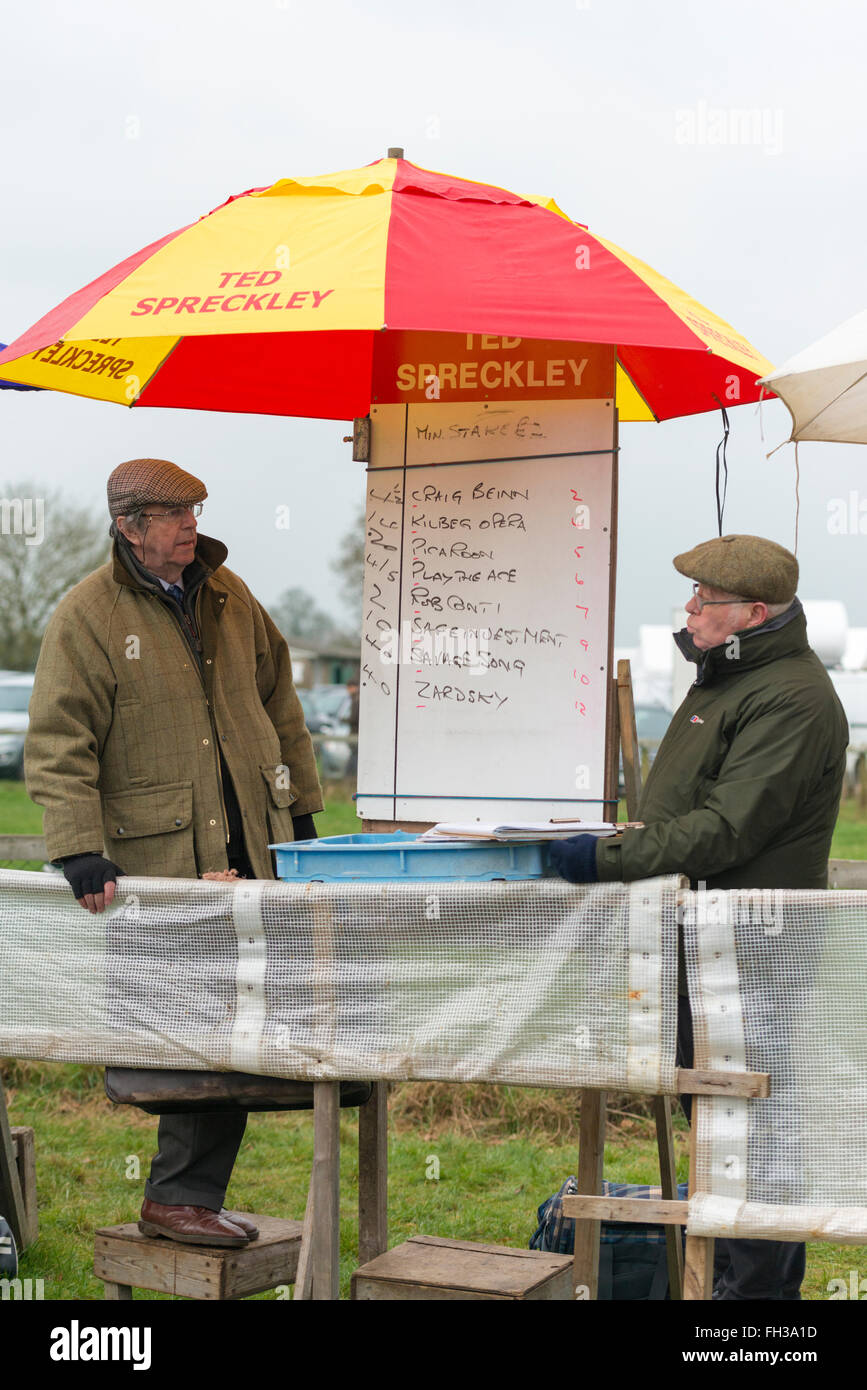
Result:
749,566
140,481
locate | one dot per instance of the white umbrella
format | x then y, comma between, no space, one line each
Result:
825,386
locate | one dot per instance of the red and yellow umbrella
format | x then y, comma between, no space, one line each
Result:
320,296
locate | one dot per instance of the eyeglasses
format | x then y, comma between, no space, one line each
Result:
715,602
174,513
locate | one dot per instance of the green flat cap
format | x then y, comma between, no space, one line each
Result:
749,566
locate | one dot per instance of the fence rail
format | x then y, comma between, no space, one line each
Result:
22,847
842,873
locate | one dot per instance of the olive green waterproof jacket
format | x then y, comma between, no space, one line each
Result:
745,787
125,723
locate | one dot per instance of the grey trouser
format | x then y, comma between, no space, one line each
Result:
198,1150
196,1157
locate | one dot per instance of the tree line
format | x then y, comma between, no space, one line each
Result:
49,543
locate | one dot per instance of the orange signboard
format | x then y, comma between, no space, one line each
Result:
484,367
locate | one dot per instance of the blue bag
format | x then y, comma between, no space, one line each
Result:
8,1252
632,1257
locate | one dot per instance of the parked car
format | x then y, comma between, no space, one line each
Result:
337,744
308,704
331,700
320,704
16,687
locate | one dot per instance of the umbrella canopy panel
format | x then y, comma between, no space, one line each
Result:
282,299
14,385
825,386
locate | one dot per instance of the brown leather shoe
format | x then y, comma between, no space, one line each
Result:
238,1220
193,1225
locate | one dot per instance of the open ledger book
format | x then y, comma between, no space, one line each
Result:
525,829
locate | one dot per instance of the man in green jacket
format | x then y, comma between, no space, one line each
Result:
166,739
744,790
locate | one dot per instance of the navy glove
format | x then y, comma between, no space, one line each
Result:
87,875
303,827
575,858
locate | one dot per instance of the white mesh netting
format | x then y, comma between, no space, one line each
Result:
531,983
777,984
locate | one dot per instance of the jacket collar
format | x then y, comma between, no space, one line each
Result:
784,635
126,569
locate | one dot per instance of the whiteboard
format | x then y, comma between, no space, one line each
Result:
487,597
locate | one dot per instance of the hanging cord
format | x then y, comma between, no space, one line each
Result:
759,413
797,495
721,456
797,465
797,483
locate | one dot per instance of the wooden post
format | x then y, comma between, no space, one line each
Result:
628,739
24,1145
591,1154
22,847
11,1196
698,1269
373,1175
326,1191
304,1273
323,1227
668,1183
611,782
117,1292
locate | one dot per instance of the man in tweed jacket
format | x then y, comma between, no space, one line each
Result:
166,739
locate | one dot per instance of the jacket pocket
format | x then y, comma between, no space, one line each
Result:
162,810
278,781
129,718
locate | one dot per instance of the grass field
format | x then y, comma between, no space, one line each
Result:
19,816
92,1159
499,1151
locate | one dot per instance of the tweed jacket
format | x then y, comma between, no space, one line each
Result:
125,724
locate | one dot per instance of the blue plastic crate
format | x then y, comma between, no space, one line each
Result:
401,855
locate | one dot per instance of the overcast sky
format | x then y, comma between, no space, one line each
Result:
122,122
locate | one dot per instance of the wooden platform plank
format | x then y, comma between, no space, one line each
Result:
644,1211
437,1268
373,1291
125,1257
751,1084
